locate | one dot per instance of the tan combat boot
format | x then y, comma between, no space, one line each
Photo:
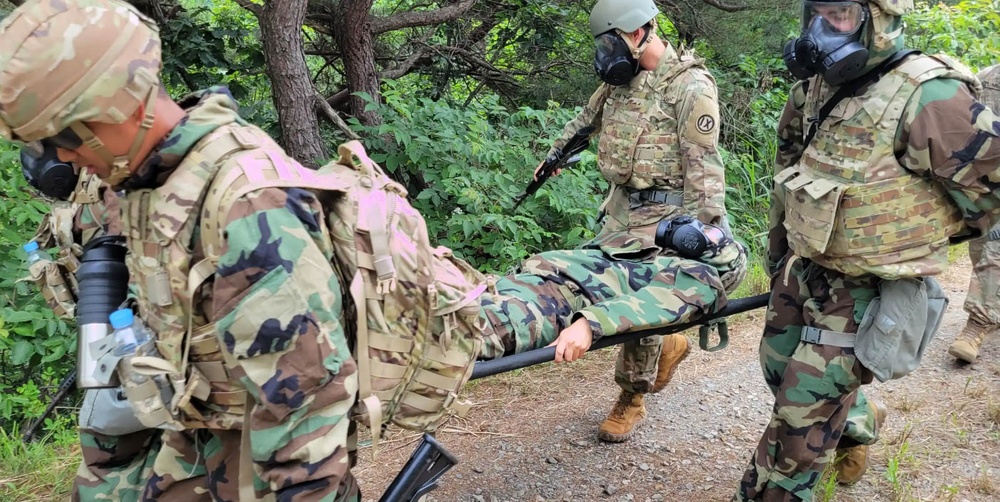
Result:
966,346
624,417
851,463
675,349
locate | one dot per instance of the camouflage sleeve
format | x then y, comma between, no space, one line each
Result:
790,138
698,134
592,114
279,307
947,134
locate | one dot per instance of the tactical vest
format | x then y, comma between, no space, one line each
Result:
164,258
849,205
990,77
639,145
56,277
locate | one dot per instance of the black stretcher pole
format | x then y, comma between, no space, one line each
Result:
546,354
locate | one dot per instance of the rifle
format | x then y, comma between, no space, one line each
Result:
64,388
420,474
563,157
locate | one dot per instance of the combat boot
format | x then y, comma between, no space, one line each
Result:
851,463
675,349
624,418
966,346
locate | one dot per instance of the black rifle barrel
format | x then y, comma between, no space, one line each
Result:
546,354
64,388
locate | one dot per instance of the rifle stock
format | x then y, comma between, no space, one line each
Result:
420,474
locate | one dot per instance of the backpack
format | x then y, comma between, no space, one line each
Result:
416,306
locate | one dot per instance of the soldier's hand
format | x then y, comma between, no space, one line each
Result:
539,168
574,341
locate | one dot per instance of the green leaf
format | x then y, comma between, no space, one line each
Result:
23,350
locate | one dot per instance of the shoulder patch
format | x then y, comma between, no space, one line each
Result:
705,123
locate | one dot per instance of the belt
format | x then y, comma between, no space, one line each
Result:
670,197
827,337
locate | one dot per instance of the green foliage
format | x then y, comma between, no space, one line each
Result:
969,31
755,90
35,345
471,162
213,43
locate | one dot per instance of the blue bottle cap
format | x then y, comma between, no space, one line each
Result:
31,246
121,318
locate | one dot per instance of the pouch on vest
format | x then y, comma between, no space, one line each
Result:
103,412
898,325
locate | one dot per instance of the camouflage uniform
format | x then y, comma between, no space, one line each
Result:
256,351
932,174
619,284
983,299
113,467
657,135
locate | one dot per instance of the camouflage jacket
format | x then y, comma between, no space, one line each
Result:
944,136
661,131
271,317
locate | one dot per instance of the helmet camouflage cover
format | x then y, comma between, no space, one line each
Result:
70,61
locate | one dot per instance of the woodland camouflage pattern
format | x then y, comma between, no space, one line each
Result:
658,132
816,387
277,307
940,133
983,300
620,284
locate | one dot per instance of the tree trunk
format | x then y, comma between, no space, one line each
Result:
291,88
354,35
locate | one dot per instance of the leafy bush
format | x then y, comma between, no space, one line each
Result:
471,162
969,30
35,345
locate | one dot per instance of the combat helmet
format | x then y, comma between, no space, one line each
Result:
66,62
624,15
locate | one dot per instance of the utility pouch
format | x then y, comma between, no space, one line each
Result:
898,325
107,411
153,387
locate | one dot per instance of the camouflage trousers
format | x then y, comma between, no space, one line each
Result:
529,309
115,467
817,388
983,301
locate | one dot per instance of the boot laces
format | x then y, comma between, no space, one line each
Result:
624,401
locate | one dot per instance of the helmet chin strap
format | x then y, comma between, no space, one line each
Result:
119,164
637,50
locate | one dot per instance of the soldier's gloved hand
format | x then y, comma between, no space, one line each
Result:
548,159
574,341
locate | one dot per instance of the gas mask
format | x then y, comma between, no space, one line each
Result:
44,171
830,44
616,60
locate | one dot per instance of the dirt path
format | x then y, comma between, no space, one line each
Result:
532,436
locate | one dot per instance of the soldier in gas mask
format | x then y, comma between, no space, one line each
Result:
656,117
885,157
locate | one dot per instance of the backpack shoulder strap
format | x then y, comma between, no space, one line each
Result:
851,88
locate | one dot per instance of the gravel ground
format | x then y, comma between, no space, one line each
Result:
532,435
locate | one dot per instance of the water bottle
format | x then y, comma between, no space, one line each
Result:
103,283
129,334
35,255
